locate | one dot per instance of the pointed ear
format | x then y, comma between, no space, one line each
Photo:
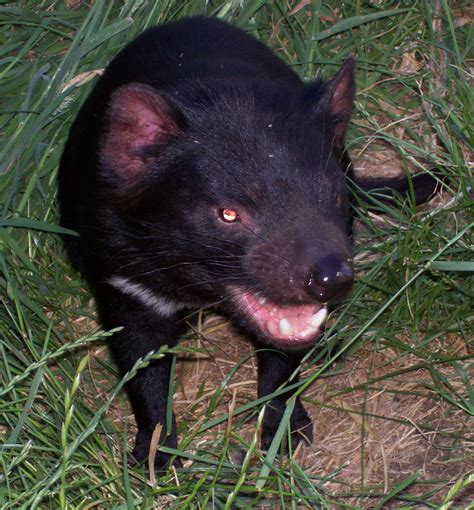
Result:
338,99
138,120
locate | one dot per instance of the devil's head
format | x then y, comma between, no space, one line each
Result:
237,198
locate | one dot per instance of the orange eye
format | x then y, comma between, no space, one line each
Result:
229,215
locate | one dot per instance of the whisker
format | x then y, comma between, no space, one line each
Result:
234,278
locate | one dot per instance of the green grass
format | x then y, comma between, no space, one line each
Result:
60,448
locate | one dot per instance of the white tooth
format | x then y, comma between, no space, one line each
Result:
285,327
318,318
262,300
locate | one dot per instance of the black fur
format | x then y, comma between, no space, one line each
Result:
193,125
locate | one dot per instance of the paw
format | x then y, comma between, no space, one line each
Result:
300,423
141,451
301,427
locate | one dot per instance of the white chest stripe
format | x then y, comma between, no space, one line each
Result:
161,305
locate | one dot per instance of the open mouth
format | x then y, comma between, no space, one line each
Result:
292,325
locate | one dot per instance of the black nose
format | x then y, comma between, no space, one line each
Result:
331,278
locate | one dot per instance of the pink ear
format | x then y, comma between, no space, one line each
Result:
138,118
338,100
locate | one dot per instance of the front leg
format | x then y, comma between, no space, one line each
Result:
144,330
274,369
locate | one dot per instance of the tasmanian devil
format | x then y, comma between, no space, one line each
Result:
200,171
